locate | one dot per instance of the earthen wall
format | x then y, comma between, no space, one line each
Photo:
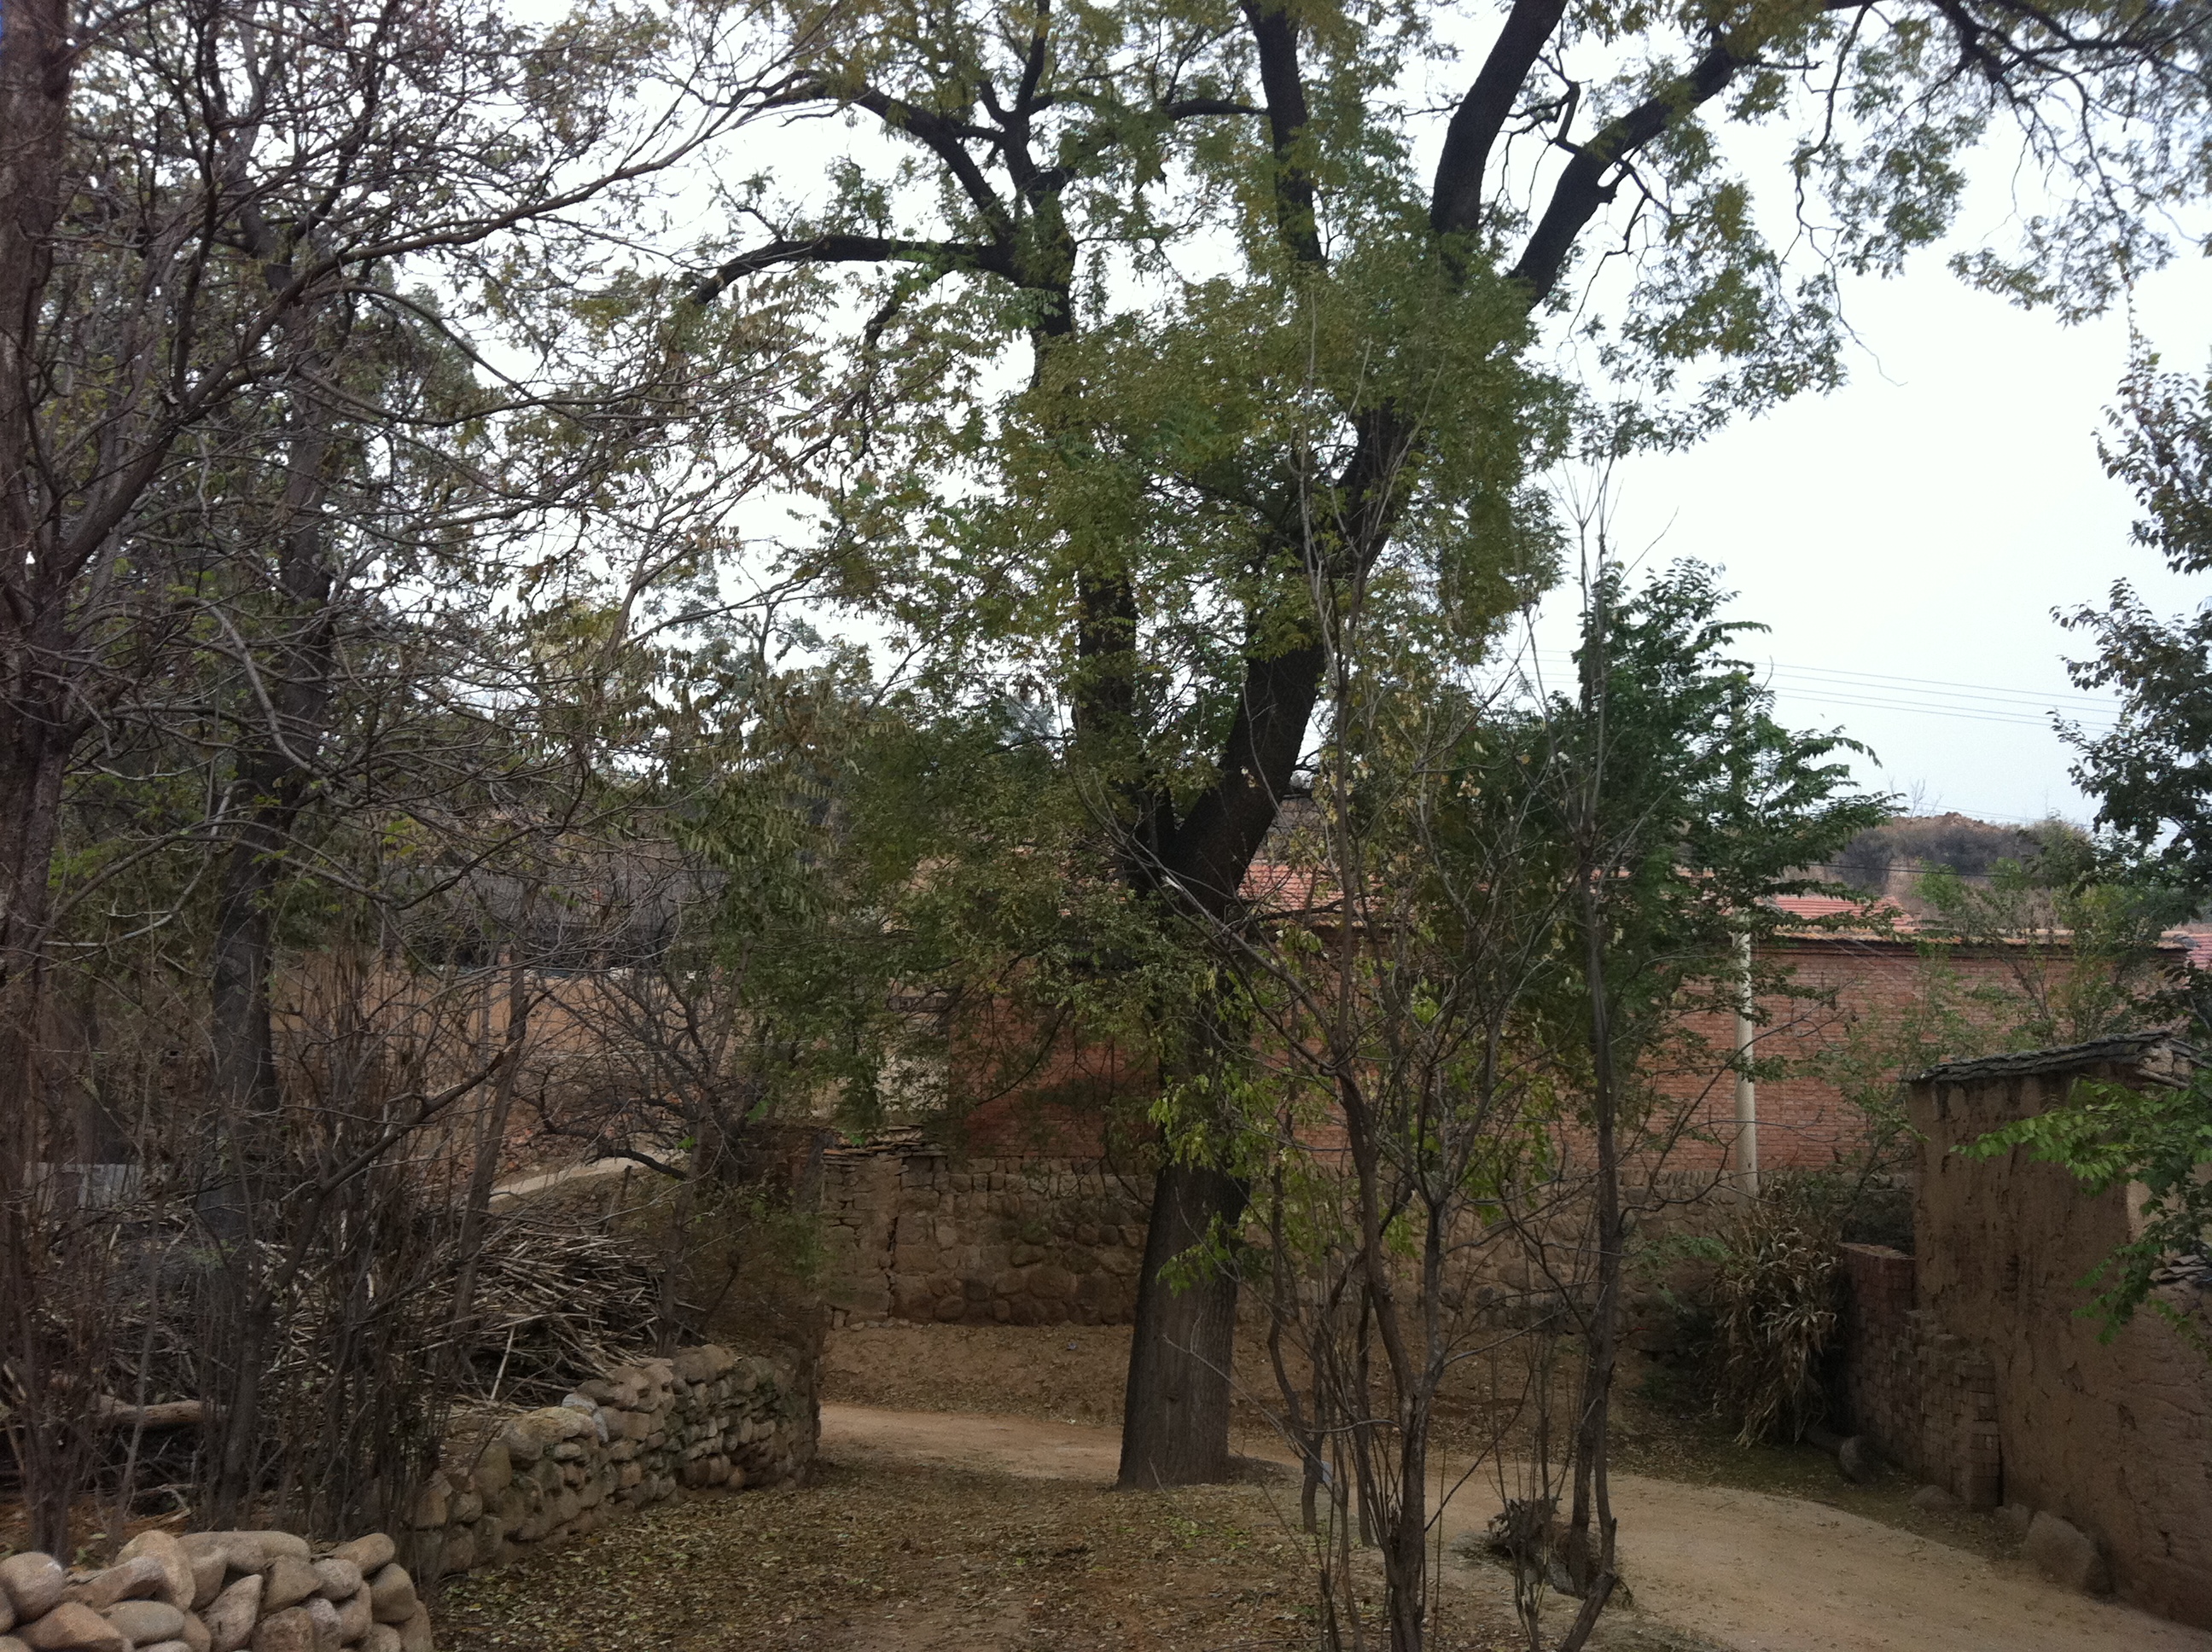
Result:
2114,1436
916,1236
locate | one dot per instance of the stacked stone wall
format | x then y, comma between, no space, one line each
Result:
1926,1398
914,1235
704,1420
216,1592
1877,1400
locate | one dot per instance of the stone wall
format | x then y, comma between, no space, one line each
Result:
1926,1398
2105,1444
913,1235
215,1592
704,1420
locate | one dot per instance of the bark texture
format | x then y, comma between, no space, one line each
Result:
1174,1427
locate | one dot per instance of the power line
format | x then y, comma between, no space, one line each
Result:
1970,712
1975,690
1938,697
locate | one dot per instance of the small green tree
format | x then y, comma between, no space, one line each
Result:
1513,904
2154,787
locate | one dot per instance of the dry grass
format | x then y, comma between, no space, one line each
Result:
910,1559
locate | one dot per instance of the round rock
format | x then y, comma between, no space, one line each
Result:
146,1620
73,1626
35,1583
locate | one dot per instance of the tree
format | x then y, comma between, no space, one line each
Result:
301,395
2149,775
1509,905
2154,789
1686,808
1162,324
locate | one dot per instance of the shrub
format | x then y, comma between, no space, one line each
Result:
1774,1307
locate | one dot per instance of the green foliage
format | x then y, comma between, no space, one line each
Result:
909,905
1694,806
2082,944
2153,870
2150,774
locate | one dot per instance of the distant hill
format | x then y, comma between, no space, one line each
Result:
1887,860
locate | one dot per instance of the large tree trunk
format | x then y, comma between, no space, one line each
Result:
1174,1420
36,734
1175,1429
1181,1341
49,1427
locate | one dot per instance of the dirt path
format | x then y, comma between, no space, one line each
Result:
1758,1573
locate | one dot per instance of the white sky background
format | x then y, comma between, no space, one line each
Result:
1922,523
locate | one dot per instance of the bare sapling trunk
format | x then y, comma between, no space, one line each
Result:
1589,1537
1590,1525
491,1139
1300,1421
289,694
1394,1467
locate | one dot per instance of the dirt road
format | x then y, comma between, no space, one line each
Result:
1758,1573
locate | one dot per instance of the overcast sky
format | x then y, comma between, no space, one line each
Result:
1908,537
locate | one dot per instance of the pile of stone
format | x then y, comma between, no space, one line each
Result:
703,1419
215,1592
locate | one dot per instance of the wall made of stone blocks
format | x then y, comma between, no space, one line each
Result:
216,1592
1927,1398
917,1235
704,1420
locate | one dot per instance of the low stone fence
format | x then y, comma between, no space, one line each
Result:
215,1592
703,1419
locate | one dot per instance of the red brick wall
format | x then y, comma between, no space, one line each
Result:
1804,1121
1061,1098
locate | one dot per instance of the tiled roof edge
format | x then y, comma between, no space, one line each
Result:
2134,1049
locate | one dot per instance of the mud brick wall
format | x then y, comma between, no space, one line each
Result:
703,1419
913,1235
2115,1437
215,1592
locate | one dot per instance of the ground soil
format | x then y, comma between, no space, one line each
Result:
893,1550
1755,1548
1074,1374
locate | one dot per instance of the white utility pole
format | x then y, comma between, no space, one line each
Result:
1747,1092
